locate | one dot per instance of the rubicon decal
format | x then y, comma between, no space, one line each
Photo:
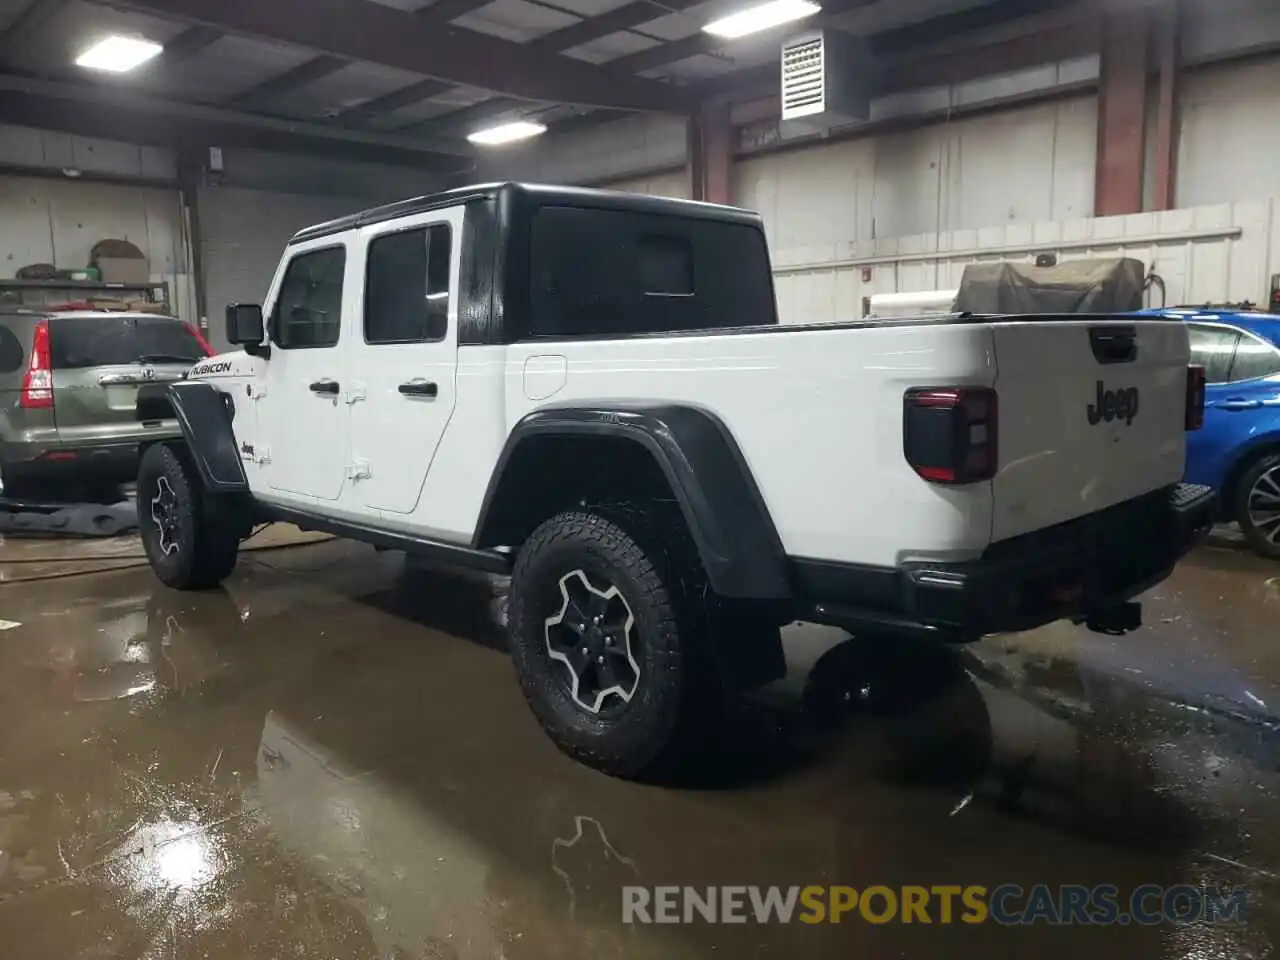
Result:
205,369
1114,405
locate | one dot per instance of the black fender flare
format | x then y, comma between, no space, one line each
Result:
730,524
205,416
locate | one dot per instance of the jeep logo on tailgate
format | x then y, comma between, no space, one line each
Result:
1112,405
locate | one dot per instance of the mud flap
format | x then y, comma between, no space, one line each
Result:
747,644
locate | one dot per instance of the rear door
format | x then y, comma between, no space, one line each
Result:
403,360
1242,398
1092,413
99,363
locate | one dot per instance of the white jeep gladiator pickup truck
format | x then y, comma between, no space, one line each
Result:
591,392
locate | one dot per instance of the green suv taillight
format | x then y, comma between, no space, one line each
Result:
37,384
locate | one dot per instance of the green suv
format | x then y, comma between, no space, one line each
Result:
68,387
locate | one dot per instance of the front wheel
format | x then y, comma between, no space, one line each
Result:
1258,506
605,646
189,544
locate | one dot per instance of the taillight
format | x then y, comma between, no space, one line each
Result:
37,384
1195,398
949,433
204,344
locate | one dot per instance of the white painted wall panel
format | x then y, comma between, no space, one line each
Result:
29,147
46,220
1021,166
612,151
1230,138
672,184
1211,254
243,233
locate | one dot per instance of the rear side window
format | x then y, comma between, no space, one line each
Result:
1213,348
406,293
609,273
79,342
1254,359
308,308
12,355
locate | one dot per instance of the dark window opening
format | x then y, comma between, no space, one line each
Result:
1254,360
666,266
1213,348
79,342
406,294
609,273
308,308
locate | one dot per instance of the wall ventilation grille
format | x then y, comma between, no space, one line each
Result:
803,78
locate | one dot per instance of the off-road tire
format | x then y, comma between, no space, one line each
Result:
207,539
642,737
1256,538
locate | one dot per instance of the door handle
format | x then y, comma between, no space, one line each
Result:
419,388
327,387
1239,403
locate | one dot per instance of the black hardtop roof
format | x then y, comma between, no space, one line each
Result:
537,194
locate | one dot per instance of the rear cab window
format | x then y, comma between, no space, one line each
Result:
616,273
1255,359
1213,348
104,340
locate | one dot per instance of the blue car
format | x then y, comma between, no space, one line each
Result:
1238,450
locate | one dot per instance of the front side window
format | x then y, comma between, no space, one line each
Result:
1213,348
406,293
1254,359
308,308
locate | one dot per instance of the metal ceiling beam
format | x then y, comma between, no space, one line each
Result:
365,30
441,13
941,30
616,20
309,72
667,53
557,41
395,100
109,96
700,43
468,118
183,47
34,17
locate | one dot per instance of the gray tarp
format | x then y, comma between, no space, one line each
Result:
1078,286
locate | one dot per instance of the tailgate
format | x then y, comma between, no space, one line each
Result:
1092,413
100,362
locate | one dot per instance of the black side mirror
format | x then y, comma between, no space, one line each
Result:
244,326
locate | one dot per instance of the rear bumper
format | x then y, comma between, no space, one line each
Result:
116,460
1085,569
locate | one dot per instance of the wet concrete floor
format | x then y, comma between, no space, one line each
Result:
331,759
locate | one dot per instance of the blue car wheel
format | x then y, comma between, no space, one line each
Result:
1258,506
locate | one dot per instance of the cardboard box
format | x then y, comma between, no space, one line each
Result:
121,270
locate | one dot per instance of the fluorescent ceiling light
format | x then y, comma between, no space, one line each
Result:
117,54
762,17
507,133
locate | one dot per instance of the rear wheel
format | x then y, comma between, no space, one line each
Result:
190,543
1258,506
606,644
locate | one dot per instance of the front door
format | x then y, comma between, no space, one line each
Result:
304,418
402,362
